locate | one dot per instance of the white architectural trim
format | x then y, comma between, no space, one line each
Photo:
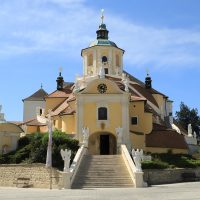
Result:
108,98
79,121
125,122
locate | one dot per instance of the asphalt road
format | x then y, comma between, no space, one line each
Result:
183,191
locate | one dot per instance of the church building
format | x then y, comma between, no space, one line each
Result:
108,103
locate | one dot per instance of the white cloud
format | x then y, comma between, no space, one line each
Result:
69,25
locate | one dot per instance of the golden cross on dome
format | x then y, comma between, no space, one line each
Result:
147,71
60,69
102,15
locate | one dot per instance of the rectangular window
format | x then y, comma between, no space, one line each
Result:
102,113
106,70
134,120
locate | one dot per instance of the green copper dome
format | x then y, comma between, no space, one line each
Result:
102,42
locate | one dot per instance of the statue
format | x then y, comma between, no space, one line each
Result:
195,135
126,83
189,130
125,80
117,71
76,86
102,72
123,77
137,158
5,149
85,136
119,132
2,119
66,154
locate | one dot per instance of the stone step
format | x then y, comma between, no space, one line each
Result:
106,174
106,170
104,178
102,171
79,186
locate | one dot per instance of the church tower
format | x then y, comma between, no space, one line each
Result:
102,53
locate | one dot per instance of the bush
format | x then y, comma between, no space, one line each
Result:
20,155
156,164
23,141
176,160
33,149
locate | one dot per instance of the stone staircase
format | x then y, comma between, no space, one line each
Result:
102,171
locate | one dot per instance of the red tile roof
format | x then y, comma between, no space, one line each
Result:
162,137
59,94
145,93
34,122
37,96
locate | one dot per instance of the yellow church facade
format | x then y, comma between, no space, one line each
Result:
111,105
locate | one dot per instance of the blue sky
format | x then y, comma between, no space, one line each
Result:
39,36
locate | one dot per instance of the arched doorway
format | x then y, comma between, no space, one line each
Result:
102,143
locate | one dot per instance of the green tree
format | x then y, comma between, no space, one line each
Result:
188,116
33,149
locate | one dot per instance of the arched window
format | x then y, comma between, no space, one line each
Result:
90,60
104,59
102,113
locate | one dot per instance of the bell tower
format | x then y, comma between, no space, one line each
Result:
102,53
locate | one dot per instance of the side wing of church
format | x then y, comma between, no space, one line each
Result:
110,105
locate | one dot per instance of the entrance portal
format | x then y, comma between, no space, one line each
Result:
104,145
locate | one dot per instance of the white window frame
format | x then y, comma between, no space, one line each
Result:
99,122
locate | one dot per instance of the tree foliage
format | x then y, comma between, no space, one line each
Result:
188,116
33,149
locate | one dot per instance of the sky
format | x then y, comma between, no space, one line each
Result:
39,36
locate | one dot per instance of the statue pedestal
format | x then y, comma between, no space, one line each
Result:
139,179
66,180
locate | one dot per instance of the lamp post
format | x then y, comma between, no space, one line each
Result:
48,121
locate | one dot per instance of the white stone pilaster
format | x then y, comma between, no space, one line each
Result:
86,64
121,62
125,121
95,72
114,61
98,60
79,121
110,69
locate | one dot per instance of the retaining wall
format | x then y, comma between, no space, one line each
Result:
156,176
29,175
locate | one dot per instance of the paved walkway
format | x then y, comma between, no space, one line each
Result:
183,191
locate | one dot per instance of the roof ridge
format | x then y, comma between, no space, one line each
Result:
38,95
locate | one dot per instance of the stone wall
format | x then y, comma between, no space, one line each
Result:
32,175
153,177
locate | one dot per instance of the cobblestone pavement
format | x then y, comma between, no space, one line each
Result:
183,191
